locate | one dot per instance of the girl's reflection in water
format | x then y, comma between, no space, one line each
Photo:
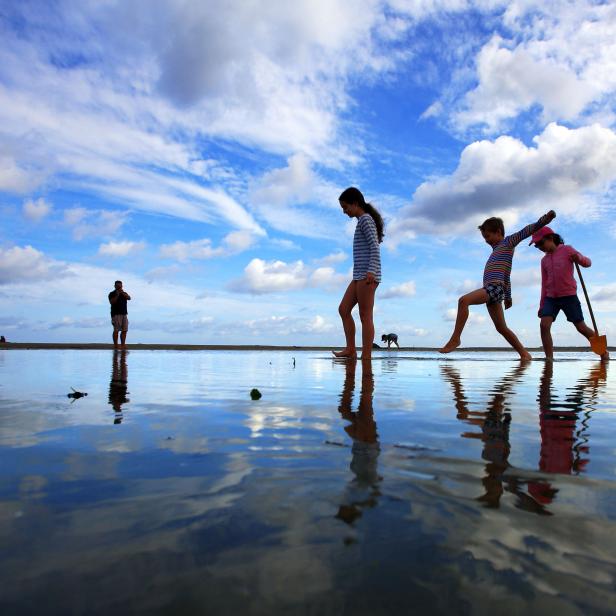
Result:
563,445
363,490
118,384
563,426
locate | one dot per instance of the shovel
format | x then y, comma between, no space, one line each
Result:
597,343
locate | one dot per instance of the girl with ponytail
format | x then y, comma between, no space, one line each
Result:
366,272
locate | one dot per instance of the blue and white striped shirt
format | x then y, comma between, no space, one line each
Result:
366,252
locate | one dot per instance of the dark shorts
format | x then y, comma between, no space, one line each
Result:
569,304
496,293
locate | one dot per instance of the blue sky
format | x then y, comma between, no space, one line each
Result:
196,151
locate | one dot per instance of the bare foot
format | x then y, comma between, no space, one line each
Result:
345,353
453,344
605,356
526,356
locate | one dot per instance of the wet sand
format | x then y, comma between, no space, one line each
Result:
79,346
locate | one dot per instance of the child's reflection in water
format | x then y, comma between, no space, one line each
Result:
118,384
564,446
494,424
363,490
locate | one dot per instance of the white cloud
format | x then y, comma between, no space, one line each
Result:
333,258
262,277
563,169
239,241
404,289
285,244
526,277
196,325
120,249
511,81
473,317
328,278
27,264
553,61
36,210
271,277
94,223
233,243
127,117
162,273
464,287
281,326
184,251
294,199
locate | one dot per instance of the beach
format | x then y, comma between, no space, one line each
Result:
347,486
257,347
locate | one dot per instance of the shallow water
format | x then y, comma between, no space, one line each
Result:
470,484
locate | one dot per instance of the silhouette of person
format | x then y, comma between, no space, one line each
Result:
363,489
494,424
564,446
118,384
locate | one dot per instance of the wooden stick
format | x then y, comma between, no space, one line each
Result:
592,316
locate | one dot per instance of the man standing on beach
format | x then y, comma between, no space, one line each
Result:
119,313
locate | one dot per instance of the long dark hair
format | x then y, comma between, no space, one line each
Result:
353,195
557,239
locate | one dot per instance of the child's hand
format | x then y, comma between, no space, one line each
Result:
370,279
508,304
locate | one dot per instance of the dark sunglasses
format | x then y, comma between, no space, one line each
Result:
539,244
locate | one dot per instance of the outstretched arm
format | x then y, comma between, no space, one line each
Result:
515,238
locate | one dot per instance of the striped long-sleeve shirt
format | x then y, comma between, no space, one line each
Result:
366,251
498,265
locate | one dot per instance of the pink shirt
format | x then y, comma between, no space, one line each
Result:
557,272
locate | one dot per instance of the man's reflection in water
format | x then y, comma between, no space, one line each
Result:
118,384
564,447
494,425
363,490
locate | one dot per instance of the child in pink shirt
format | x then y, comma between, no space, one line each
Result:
558,287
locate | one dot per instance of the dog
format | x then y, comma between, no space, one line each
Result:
390,338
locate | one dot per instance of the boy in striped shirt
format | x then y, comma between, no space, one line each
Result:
496,281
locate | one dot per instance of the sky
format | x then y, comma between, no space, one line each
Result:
196,150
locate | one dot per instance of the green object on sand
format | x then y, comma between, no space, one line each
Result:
255,394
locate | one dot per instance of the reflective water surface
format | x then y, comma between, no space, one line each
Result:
467,485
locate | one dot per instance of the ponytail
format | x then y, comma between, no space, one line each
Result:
354,195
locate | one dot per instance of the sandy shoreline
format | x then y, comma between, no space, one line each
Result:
88,346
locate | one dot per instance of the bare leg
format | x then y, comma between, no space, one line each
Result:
473,298
123,338
115,338
349,299
365,299
498,318
545,327
589,333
